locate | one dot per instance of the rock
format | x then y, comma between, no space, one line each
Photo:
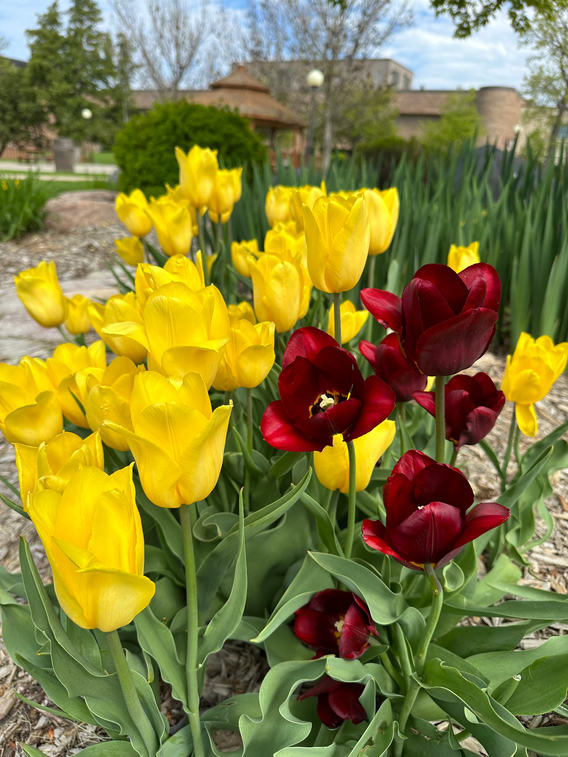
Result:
80,210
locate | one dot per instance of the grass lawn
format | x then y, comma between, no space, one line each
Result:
57,187
104,158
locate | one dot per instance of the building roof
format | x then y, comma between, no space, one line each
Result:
421,102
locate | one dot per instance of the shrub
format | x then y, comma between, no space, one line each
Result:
144,149
387,152
459,121
21,206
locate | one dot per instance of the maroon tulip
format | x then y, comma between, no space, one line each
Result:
337,701
392,366
473,404
445,320
428,515
335,622
322,394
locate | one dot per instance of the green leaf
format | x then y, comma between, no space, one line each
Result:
284,464
168,527
110,749
487,591
13,506
490,452
542,687
514,491
468,640
10,486
536,449
325,526
250,465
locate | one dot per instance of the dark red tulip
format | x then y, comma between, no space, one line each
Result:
428,513
337,701
473,404
445,320
335,622
392,366
322,394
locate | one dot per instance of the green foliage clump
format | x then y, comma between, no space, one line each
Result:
144,149
459,121
22,206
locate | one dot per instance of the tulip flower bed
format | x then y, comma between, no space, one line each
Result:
246,454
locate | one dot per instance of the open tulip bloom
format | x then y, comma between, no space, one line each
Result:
429,518
392,366
445,320
337,701
322,394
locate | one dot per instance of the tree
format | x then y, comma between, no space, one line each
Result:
471,17
459,121
333,37
546,84
365,112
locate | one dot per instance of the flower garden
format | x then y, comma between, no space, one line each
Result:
261,444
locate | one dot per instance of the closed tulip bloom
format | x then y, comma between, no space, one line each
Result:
460,258
277,205
130,249
240,252
281,290
322,394
337,701
51,465
284,239
178,268
445,321
337,236
94,542
429,518
352,321
529,375
178,442
120,308
248,357
335,622
300,196
29,409
472,403
78,315
242,311
332,463
392,366
383,208
109,400
38,289
131,209
226,192
74,370
173,226
197,174
176,195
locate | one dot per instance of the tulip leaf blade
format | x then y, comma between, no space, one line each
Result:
250,465
468,640
284,464
325,526
516,488
10,486
13,506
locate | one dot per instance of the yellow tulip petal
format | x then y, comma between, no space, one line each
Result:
35,424
332,466
26,463
527,420
179,361
103,404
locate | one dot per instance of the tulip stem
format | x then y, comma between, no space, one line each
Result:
201,235
337,316
455,454
352,505
401,422
371,283
512,429
249,447
440,419
420,659
192,631
403,655
131,698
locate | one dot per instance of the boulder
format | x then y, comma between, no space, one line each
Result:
80,210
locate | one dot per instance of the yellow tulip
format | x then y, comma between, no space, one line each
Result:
93,539
173,226
29,409
176,195
51,465
109,400
337,235
332,464
284,238
38,288
241,311
277,205
130,249
352,321
120,308
248,357
383,208
178,268
78,315
239,255
131,209
73,371
281,290
462,257
183,331
226,192
178,441
300,196
197,174
529,375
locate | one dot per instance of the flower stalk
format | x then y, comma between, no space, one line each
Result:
337,316
246,496
352,505
440,419
508,450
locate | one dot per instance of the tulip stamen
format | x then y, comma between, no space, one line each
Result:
339,625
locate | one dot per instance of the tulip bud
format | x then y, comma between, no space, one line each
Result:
120,308
77,315
241,311
284,239
131,209
460,258
281,290
38,288
352,321
337,236
337,701
277,205
300,196
197,174
248,357
177,268
383,209
130,249
173,226
240,252
93,539
226,192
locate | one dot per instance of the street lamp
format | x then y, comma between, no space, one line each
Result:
87,115
315,81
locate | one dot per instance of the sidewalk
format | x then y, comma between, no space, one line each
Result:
100,170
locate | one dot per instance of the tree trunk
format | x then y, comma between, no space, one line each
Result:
327,127
551,153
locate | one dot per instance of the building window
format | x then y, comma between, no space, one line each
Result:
406,82
395,79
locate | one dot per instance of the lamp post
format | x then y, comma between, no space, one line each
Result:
315,81
87,115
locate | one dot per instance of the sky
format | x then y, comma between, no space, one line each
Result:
490,57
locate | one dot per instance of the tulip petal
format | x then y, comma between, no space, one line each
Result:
26,463
428,534
339,372
378,405
480,519
527,420
331,601
385,307
279,431
411,463
477,425
447,282
354,639
37,423
440,483
344,701
179,361
373,535
337,419
298,385
326,714
398,499
306,342
103,404
317,630
492,282
331,465
424,307
427,400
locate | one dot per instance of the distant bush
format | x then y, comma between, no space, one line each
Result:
144,149
22,206
459,121
387,152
